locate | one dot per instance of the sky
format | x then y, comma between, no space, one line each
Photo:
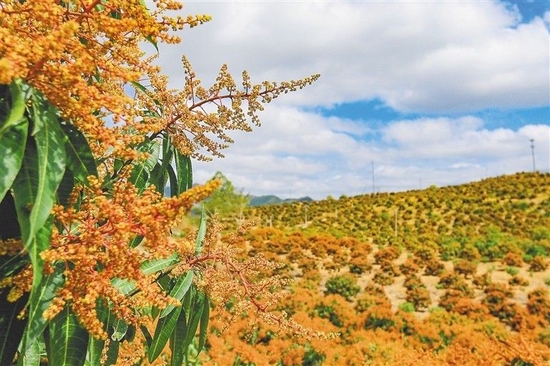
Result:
411,94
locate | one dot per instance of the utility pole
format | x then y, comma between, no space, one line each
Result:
533,153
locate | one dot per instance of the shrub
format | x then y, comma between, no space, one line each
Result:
513,259
512,271
407,307
538,264
409,267
434,267
344,285
465,267
386,255
359,265
419,297
383,278
518,281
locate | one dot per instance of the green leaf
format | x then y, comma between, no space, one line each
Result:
194,317
94,352
179,290
141,172
173,181
42,170
80,160
157,265
12,327
119,330
68,340
112,353
123,285
205,317
177,339
65,188
13,136
31,357
40,300
184,172
201,234
163,332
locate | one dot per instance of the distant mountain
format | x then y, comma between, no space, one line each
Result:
274,200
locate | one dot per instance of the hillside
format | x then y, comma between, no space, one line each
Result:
444,276
515,204
274,200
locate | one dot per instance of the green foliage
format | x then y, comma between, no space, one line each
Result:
407,307
226,202
45,158
344,285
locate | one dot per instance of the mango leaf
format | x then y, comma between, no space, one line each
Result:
160,173
68,340
40,300
177,339
173,181
12,327
80,160
31,357
112,353
141,172
146,335
123,285
205,317
201,234
179,290
65,188
13,136
42,170
184,172
119,330
157,265
194,317
94,351
163,332
95,346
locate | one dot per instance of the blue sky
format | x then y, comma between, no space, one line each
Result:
426,92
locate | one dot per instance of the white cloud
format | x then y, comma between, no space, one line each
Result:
299,154
416,56
439,58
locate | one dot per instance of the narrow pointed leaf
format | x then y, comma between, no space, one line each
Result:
179,290
163,332
119,330
184,172
174,189
94,351
31,357
157,265
177,339
80,160
12,327
68,340
141,173
194,318
13,136
201,234
40,300
205,317
42,170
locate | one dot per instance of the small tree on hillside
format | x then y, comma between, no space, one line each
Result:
226,202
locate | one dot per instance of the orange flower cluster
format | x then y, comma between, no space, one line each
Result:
94,243
198,119
81,54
